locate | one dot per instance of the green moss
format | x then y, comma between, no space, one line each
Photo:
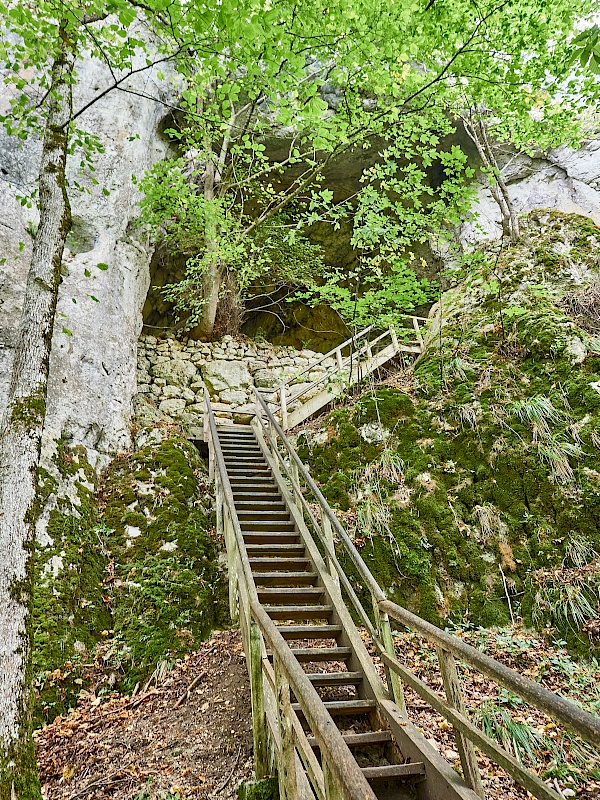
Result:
135,567
28,411
69,609
266,789
169,592
483,492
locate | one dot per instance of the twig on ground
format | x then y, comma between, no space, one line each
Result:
186,694
229,777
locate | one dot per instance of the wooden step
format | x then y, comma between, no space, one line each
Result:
326,679
257,538
275,549
282,564
307,654
259,506
290,594
359,739
395,771
270,490
284,578
243,469
267,525
249,483
309,631
255,514
343,708
299,612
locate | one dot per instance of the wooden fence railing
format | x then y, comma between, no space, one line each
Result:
277,734
352,358
331,535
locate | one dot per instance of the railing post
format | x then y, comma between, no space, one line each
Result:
205,422
417,331
333,790
295,476
283,404
338,358
454,695
328,536
232,557
259,730
219,507
382,621
286,767
394,337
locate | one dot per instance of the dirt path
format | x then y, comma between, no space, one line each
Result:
189,737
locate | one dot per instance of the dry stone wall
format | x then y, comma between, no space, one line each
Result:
171,377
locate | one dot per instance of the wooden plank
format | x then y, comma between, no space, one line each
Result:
413,770
441,780
288,789
515,769
259,733
454,695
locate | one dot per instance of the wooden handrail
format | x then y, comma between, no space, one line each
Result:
333,748
360,565
558,708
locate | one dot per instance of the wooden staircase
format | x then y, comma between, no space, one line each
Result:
323,718
290,588
353,361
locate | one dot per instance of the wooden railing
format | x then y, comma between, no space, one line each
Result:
277,734
348,366
329,532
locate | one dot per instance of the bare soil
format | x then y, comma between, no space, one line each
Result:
190,736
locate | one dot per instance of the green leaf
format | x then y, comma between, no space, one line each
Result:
102,266
67,331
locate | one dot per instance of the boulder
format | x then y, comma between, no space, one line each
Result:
220,375
172,407
233,396
266,378
176,371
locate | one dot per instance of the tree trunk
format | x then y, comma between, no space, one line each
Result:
498,187
213,275
20,442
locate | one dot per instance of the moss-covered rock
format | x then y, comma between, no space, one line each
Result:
496,448
167,587
131,563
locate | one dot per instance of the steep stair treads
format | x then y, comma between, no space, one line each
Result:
301,395
322,717
318,632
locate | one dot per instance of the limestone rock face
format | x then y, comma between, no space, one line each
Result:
94,349
566,180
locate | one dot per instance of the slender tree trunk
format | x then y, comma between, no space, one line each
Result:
213,275
20,442
498,187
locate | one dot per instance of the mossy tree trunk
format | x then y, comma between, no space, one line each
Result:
20,440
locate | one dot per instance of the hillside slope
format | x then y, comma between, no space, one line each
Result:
475,490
